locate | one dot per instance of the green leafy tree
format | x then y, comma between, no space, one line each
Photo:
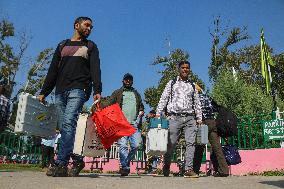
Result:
248,64
37,72
251,105
10,60
241,97
278,76
170,71
244,92
35,78
228,52
221,55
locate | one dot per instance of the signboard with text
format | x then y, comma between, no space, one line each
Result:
273,129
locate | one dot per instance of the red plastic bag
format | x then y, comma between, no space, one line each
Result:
112,125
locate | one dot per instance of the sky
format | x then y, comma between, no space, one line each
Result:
131,33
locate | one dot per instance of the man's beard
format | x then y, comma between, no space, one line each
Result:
82,34
127,86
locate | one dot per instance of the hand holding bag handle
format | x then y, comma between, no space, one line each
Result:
93,110
95,107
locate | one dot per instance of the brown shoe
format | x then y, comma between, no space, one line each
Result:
190,174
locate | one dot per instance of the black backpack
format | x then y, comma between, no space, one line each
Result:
90,46
226,123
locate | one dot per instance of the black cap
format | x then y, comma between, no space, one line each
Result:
127,76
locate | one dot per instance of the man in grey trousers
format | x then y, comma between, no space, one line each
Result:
181,102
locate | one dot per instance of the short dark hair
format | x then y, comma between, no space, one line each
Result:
183,62
81,19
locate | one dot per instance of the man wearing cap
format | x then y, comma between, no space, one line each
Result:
131,104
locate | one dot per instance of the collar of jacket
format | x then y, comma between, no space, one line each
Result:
127,89
179,79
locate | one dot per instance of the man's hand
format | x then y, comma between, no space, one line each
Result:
97,97
141,113
157,116
41,98
199,122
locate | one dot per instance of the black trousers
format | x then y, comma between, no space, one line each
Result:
217,158
47,155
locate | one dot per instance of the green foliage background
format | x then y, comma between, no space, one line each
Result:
169,71
244,94
241,97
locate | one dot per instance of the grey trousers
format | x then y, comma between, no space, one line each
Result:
177,124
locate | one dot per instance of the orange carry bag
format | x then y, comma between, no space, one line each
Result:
111,124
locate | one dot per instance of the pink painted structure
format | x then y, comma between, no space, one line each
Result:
258,160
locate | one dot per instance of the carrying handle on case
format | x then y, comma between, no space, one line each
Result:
160,125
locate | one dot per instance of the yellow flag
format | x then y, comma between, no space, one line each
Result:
266,60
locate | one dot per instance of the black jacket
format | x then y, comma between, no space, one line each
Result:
74,67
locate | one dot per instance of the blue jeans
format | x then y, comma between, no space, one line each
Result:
69,104
124,155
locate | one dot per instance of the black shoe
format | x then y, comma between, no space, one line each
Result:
166,170
124,172
76,168
57,171
217,174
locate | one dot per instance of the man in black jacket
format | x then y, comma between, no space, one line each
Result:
75,67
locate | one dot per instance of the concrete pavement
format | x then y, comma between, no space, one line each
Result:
38,180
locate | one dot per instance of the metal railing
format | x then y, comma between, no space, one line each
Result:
250,134
18,149
23,149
